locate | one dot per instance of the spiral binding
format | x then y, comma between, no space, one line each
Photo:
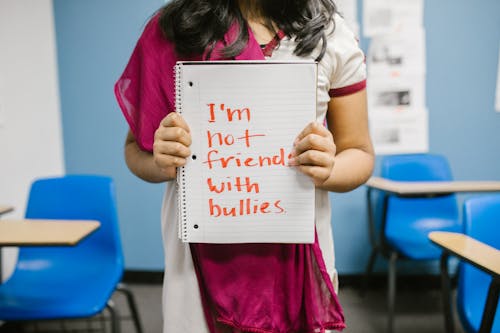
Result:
181,179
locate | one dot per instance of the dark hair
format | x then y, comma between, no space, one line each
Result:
196,25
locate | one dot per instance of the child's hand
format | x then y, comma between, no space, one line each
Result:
314,152
171,142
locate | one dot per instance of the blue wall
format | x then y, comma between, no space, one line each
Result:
96,37
94,40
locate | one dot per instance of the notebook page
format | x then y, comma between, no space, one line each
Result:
243,119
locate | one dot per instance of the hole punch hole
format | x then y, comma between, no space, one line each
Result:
190,83
195,226
193,157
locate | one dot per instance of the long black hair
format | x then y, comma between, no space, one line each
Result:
194,26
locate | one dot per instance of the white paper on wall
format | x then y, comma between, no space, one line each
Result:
399,131
397,54
396,92
389,16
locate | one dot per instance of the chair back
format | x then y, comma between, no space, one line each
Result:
409,220
76,197
416,167
482,222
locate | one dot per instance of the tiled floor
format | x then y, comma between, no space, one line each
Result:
417,311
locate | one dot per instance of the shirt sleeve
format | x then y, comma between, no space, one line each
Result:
145,90
349,69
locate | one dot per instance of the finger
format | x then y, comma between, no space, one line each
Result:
317,174
312,158
165,161
172,148
173,119
313,128
176,134
314,142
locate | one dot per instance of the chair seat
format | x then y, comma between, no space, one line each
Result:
24,297
409,222
412,242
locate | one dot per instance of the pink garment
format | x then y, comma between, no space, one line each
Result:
262,288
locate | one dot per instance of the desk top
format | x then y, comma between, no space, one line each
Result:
5,209
469,249
28,232
433,187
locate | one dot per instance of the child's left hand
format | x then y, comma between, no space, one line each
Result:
314,152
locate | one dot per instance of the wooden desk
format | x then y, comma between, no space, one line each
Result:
5,209
426,189
466,248
478,254
28,232
44,232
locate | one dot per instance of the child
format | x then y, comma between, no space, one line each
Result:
272,288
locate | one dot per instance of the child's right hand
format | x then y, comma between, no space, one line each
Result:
171,142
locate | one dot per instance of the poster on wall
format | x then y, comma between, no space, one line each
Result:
397,54
389,16
395,131
397,93
396,66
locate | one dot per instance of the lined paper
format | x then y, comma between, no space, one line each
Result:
244,117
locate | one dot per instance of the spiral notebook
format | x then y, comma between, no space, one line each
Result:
244,116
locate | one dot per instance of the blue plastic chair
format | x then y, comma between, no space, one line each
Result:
482,222
69,282
406,221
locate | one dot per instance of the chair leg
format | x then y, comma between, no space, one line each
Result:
115,317
446,294
490,307
132,305
368,272
391,291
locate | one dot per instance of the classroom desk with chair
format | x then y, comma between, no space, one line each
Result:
52,282
420,189
410,189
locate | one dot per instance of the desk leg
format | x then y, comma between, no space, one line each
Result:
391,291
373,241
491,306
446,294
